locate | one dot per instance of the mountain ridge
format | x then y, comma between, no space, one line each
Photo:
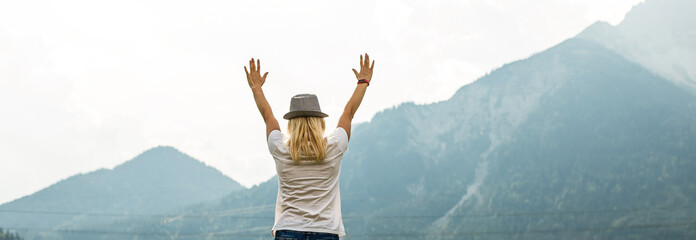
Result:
580,141
571,129
659,35
156,181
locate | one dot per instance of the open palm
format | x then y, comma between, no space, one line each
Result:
365,68
254,77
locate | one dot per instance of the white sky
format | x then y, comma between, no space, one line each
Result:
91,84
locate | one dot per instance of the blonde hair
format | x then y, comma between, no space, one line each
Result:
306,138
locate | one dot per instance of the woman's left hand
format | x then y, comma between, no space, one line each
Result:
254,77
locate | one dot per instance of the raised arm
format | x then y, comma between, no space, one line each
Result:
364,77
255,82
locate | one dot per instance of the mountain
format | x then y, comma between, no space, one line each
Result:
574,142
158,180
658,34
589,150
581,141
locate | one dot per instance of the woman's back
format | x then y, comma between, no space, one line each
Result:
308,190
308,165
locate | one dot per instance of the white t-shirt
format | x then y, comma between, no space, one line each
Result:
309,197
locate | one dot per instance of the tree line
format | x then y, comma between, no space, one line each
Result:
7,235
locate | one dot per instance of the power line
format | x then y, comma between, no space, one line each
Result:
162,216
541,213
545,231
111,232
133,215
411,234
237,213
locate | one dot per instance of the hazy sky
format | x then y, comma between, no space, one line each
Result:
91,84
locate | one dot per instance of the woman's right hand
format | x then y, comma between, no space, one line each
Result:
254,77
365,68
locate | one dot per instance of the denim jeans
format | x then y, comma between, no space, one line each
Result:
295,235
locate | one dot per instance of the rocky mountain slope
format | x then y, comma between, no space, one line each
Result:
590,139
573,142
658,34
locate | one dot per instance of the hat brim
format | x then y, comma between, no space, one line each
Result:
295,114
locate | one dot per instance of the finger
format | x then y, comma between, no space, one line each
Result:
356,72
258,65
361,61
367,60
252,65
246,71
264,76
373,65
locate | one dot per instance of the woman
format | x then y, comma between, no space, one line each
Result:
307,163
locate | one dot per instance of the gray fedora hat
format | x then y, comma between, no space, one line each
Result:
304,105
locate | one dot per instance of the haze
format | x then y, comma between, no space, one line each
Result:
87,85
